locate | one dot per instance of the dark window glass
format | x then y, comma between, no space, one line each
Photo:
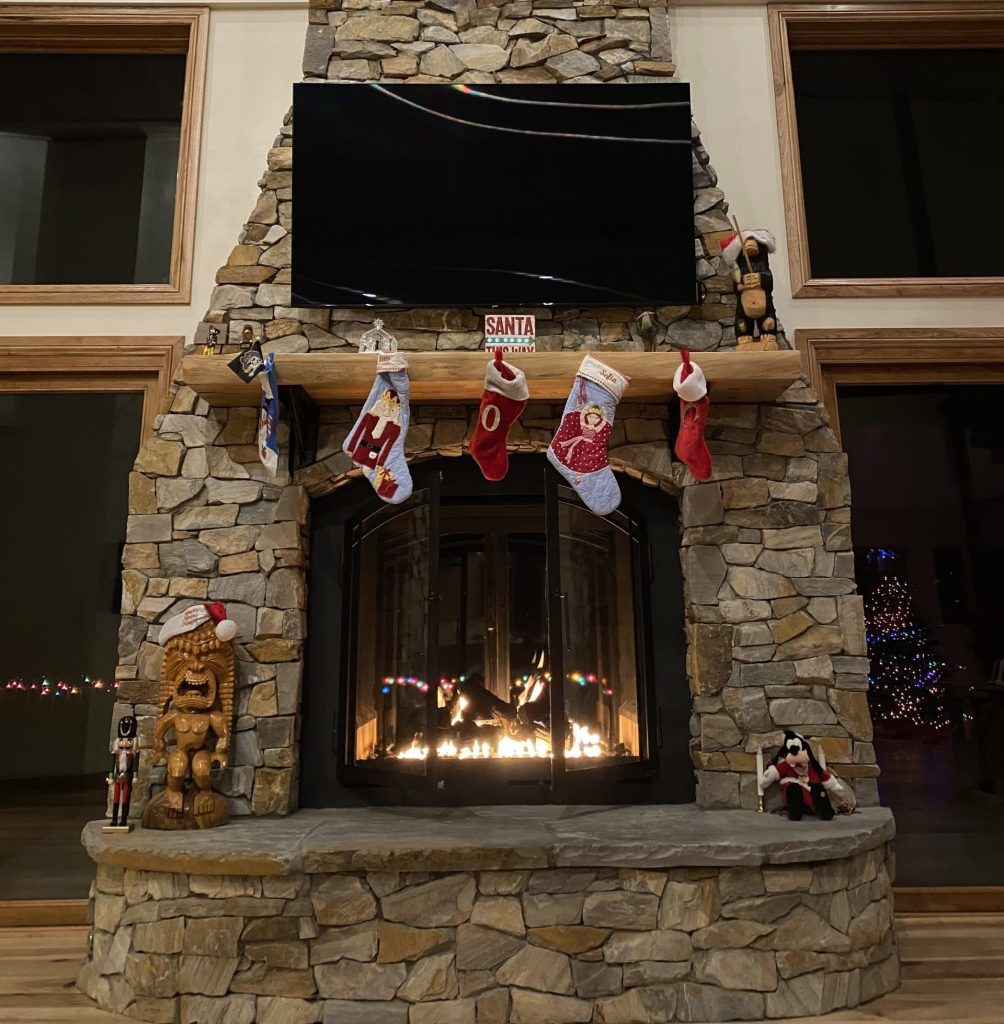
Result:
892,142
927,474
63,517
88,166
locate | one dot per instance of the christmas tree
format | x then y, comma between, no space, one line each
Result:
907,676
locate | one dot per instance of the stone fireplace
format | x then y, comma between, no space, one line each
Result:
731,614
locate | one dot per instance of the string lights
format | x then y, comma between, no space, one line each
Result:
907,678
46,687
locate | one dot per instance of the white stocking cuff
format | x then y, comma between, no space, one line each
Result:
516,389
608,379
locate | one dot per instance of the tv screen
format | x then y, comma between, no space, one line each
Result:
493,195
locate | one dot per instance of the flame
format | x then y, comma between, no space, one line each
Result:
458,711
581,743
584,743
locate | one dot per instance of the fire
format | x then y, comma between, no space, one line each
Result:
581,743
461,706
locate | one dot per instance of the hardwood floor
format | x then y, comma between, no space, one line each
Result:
953,971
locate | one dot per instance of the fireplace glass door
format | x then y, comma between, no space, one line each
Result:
495,637
391,709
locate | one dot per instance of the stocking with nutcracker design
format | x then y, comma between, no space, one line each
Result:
376,442
579,448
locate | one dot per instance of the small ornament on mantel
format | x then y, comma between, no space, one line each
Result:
510,333
377,341
122,773
747,252
211,346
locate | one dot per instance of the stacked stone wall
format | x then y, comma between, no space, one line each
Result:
563,945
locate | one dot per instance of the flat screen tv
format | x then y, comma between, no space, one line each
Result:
493,195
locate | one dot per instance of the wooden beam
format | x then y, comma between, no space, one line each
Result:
42,913
54,364
446,377
898,356
950,899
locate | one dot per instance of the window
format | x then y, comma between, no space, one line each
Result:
927,472
884,122
98,150
70,455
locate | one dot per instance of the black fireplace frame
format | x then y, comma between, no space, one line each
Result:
663,774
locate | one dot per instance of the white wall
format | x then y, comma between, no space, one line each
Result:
254,59
724,53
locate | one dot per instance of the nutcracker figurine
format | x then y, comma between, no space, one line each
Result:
371,443
746,252
121,776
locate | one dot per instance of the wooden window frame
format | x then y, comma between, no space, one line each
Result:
105,364
947,24
150,28
898,356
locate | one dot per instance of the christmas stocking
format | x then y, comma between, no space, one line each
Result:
690,385
501,405
579,449
376,443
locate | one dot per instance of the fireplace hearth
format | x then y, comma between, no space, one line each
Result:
482,645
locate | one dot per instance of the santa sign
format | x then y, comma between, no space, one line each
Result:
511,333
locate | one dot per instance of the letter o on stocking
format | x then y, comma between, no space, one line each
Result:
491,417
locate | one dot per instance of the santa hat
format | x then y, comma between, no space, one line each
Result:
199,615
688,381
731,247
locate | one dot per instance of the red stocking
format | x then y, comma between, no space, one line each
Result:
501,405
691,449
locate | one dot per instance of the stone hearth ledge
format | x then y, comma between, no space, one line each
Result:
492,838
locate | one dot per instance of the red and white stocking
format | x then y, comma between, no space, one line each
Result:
503,401
691,448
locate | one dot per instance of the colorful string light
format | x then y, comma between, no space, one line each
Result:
907,679
46,687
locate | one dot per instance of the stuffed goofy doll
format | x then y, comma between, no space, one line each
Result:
805,784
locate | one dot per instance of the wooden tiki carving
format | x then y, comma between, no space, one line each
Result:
197,705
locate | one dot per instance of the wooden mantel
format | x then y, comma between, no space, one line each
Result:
335,378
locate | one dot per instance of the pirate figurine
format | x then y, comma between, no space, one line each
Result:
247,337
122,773
211,346
756,318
